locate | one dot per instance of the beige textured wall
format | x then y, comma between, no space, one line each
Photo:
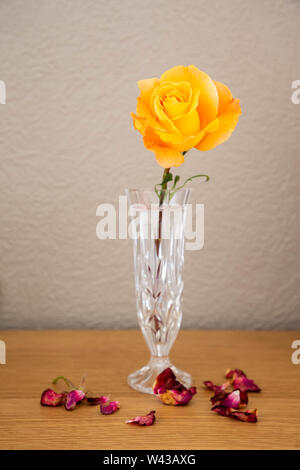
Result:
67,144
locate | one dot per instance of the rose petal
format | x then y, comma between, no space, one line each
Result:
227,122
107,408
221,410
230,373
233,404
220,390
235,399
180,397
147,420
215,388
51,398
73,397
225,96
245,385
240,381
249,416
165,381
232,400
165,156
208,100
219,396
97,400
244,398
170,390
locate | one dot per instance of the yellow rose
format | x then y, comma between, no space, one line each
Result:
183,109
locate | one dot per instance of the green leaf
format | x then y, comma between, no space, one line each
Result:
156,189
177,178
168,177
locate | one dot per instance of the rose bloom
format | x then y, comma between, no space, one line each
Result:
182,109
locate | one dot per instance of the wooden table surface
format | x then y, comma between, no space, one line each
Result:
106,357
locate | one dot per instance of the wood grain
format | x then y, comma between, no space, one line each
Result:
35,358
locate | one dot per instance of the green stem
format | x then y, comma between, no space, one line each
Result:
164,187
61,377
166,172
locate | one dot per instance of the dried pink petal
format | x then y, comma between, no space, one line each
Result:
170,390
107,408
231,372
73,398
215,388
97,400
227,400
244,398
219,396
232,404
240,381
166,380
51,398
249,416
221,410
221,391
245,385
181,397
147,420
235,399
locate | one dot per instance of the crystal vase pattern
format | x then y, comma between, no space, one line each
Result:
158,232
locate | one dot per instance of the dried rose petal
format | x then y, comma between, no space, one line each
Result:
165,381
178,397
107,408
219,396
73,397
51,398
170,390
245,385
221,410
240,381
215,388
232,404
235,399
221,391
147,420
233,372
249,416
244,398
97,400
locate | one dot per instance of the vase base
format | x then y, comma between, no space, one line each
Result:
144,378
